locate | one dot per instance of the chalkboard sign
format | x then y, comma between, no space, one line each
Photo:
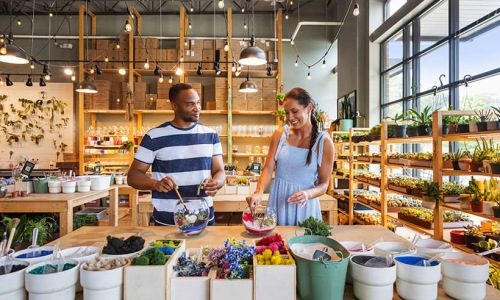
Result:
27,168
256,167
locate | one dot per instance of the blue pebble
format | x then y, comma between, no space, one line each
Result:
40,254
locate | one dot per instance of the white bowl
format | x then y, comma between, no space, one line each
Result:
83,253
371,282
69,190
394,248
99,183
414,281
59,285
13,283
54,183
99,285
83,183
68,184
432,247
54,190
33,260
355,248
83,189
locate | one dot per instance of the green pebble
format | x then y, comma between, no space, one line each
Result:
39,270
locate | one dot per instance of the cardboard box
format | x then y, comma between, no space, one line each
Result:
208,44
116,104
152,43
139,54
221,83
123,46
269,105
219,43
113,46
221,104
240,104
140,96
100,104
254,96
102,45
124,38
163,104
254,105
162,89
268,94
196,44
171,55
123,56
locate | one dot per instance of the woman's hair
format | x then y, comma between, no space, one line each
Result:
304,99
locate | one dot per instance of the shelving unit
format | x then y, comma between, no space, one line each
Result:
229,116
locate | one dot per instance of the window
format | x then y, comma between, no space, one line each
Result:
481,94
394,51
432,65
391,6
394,86
392,110
433,26
471,11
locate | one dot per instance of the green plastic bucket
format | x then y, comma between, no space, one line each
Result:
40,186
320,280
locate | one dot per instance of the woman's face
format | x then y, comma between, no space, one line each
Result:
297,114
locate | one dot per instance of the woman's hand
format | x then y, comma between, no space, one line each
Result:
165,185
254,201
299,197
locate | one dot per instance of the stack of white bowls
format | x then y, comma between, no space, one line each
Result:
68,187
83,186
54,187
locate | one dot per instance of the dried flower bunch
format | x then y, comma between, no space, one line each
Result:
233,261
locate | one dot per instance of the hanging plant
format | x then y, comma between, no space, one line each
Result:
37,138
128,145
2,99
281,114
12,139
63,147
280,97
55,143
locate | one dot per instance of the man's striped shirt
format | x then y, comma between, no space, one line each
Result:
184,154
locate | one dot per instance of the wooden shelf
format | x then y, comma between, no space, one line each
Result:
250,112
456,206
249,154
104,111
414,226
410,140
372,143
404,194
107,154
171,112
103,146
470,135
396,166
467,173
251,136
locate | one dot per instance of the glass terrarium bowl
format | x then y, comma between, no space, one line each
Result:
192,218
261,222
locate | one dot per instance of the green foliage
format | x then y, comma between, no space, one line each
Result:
346,109
422,118
140,261
83,220
431,190
315,227
398,118
475,230
375,129
280,97
281,113
154,257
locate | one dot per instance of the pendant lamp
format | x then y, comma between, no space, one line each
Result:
248,86
86,86
253,55
14,55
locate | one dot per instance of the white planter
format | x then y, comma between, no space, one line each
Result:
266,277
370,282
99,183
224,289
34,260
464,275
55,286
54,184
12,284
54,190
80,254
488,207
68,190
83,189
350,246
189,288
431,247
417,282
98,285
243,190
394,248
68,184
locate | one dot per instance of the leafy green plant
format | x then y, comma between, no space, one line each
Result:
475,230
346,109
422,118
484,115
83,220
315,227
457,155
432,191
496,111
453,188
477,195
129,145
280,97
398,118
281,114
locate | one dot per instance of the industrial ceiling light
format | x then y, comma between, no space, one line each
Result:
13,55
128,26
98,69
253,55
122,71
157,70
42,82
217,69
8,82
86,86
29,82
356,10
199,71
248,86
220,4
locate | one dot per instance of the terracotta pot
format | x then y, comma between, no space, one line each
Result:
476,166
447,164
452,128
464,164
457,237
477,206
14,194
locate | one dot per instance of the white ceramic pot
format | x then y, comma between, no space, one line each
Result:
414,281
13,283
464,275
354,248
55,286
68,190
431,247
488,207
83,183
371,282
55,190
80,254
394,248
119,179
99,183
67,184
84,189
98,285
24,255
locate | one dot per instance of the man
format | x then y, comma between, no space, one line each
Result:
183,153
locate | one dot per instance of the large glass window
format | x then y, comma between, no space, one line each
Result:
480,94
433,26
392,109
394,51
432,65
471,11
394,86
438,101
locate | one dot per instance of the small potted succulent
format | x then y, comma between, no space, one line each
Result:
431,194
280,97
423,120
477,197
495,165
491,125
473,234
484,117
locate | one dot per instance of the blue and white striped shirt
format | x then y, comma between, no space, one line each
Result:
184,154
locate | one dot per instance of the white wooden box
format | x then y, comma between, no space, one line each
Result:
150,282
274,282
226,289
243,190
188,288
230,189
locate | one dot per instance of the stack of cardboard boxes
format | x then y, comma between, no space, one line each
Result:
115,50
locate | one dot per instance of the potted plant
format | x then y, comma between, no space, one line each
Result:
463,125
496,111
495,165
473,234
477,197
281,114
431,194
423,120
411,130
346,122
280,97
464,161
495,197
452,191
484,117
399,130
128,146
455,157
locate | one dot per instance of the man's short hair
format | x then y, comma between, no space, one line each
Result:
174,91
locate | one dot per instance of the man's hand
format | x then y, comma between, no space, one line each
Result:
165,185
211,186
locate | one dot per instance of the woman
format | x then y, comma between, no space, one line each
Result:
303,158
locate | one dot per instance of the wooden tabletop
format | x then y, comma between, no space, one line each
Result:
216,235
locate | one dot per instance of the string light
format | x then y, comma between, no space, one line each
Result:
292,42
191,9
19,22
309,74
356,10
226,46
245,25
182,58
242,9
286,16
73,78
220,4
1,82
3,48
122,71
42,82
68,71
117,46
291,2
170,79
160,79
91,71
190,26
297,61
324,64
32,66
8,82
233,68
146,64
51,14
106,59
29,82
128,26
47,77
98,69
178,71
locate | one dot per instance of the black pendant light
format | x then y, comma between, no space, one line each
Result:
253,55
14,55
8,82
248,86
29,82
199,71
86,86
42,82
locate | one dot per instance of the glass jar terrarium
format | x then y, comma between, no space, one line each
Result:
261,222
191,217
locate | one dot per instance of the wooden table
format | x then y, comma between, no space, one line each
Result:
62,204
237,203
215,236
133,196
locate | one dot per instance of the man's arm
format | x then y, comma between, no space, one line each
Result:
138,179
218,179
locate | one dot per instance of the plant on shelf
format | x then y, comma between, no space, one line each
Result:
281,114
398,130
431,194
473,230
346,121
314,226
494,196
484,115
422,120
453,188
37,138
280,97
129,145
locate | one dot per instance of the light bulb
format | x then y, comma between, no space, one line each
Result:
160,79
178,71
309,75
190,26
68,71
237,73
1,82
356,10
286,16
226,46
146,64
292,42
245,25
51,14
191,9
32,66
182,58
296,63
170,80
242,9
106,59
291,2
19,22
239,68
221,4
122,71
117,46
324,64
128,26
185,43
91,71
73,77
3,49
47,77
233,68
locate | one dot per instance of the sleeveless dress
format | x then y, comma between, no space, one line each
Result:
292,175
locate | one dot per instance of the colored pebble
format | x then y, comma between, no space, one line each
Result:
40,254
15,268
167,250
39,270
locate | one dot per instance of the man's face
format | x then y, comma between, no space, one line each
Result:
187,107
